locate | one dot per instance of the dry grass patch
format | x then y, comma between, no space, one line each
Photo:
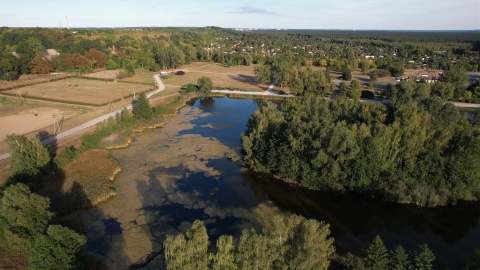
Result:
81,90
83,183
141,76
238,77
31,78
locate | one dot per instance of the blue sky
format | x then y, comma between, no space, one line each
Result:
299,14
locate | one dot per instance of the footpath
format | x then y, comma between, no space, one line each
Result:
95,121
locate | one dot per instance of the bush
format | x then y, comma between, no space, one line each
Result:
205,83
180,73
383,73
190,88
65,157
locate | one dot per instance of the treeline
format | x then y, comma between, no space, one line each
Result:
419,149
164,48
376,256
287,242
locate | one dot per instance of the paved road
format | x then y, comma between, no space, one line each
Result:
95,121
268,92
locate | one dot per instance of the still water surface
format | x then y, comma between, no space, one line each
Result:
177,174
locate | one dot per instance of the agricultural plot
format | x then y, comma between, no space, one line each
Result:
80,91
31,79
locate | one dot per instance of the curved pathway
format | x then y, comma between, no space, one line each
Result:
95,121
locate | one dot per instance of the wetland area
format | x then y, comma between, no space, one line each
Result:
178,173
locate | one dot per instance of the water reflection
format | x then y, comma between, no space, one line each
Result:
356,219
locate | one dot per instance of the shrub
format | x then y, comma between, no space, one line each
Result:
66,156
180,72
190,88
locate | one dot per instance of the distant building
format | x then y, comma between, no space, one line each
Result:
50,53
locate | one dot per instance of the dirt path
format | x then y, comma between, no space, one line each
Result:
93,122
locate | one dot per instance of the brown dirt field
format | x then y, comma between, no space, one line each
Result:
32,119
104,74
80,90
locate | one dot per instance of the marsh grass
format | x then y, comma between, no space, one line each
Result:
83,183
116,140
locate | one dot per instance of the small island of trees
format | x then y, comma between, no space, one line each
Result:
416,150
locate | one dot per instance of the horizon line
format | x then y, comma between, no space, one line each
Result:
247,28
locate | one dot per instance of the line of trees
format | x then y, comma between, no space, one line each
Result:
417,150
287,242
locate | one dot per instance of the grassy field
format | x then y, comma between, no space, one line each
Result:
238,77
84,183
80,90
141,76
29,79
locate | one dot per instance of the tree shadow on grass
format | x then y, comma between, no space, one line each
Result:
247,79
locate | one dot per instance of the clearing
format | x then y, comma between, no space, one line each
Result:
77,90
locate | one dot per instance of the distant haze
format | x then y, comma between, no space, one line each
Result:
277,14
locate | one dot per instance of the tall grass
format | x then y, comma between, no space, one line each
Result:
83,183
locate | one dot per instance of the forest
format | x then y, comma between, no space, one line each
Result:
416,150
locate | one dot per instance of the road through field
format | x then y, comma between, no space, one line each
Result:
95,121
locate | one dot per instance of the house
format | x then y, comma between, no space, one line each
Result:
50,53
165,72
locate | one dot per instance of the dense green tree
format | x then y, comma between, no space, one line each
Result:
297,86
205,83
57,249
142,109
10,68
110,64
189,251
29,156
262,74
423,258
346,73
287,242
24,215
224,257
376,255
399,259
253,252
190,88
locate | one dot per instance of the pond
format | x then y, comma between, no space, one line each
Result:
176,174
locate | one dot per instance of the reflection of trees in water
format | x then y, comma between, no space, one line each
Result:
207,100
355,214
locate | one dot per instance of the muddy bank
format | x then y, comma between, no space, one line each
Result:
157,167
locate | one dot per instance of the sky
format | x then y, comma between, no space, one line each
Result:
258,14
